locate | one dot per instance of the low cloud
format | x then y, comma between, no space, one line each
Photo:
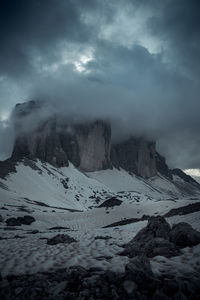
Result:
136,64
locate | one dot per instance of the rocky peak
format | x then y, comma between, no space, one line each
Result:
136,155
94,142
86,145
162,167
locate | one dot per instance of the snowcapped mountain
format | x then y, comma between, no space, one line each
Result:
72,179
33,183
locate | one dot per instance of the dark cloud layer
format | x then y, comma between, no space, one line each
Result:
135,62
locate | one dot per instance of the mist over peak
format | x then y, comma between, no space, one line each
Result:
135,64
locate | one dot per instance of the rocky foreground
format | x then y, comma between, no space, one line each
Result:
136,282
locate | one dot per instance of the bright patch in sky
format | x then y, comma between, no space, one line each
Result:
4,115
195,173
81,64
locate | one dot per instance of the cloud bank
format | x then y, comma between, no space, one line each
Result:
136,63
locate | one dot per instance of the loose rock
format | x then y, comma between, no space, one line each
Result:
61,238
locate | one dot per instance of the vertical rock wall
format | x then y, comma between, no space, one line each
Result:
86,145
136,156
94,146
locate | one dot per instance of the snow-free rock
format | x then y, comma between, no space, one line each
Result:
157,238
53,139
183,235
13,222
60,238
26,220
135,155
111,202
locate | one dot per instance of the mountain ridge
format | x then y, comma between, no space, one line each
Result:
43,134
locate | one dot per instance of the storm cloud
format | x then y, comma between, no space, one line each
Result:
134,62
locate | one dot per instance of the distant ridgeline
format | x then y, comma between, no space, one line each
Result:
87,145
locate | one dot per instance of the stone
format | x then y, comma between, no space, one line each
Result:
157,227
139,271
183,235
13,222
1,218
161,247
60,238
139,263
129,286
26,220
111,202
152,240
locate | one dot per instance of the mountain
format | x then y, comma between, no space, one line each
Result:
87,145
72,201
54,143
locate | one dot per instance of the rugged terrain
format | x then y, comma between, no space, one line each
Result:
84,218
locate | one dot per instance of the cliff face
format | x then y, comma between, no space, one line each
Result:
42,143
136,156
162,167
94,146
87,145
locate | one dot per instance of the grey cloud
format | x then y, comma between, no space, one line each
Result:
6,139
144,93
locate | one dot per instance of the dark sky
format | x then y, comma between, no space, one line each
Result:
136,62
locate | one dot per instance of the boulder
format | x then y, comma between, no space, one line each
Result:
26,220
60,238
13,222
152,240
138,271
157,227
111,202
183,235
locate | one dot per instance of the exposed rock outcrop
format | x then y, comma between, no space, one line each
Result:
135,156
137,281
157,238
53,140
162,167
61,239
26,220
94,146
42,143
182,175
87,145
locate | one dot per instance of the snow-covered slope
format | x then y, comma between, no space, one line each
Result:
67,200
36,184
